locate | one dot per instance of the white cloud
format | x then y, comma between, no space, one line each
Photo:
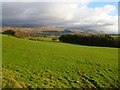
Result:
61,14
83,1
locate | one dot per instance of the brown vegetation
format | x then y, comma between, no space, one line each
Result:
21,34
17,33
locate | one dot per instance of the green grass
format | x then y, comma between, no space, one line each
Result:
47,38
115,36
34,64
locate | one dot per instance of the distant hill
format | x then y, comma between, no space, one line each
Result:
0,29
52,30
44,28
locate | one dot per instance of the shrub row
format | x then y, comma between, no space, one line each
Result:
19,33
24,34
91,40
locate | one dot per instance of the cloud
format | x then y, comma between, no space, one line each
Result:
0,14
61,14
83,1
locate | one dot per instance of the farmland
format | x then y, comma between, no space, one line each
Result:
42,64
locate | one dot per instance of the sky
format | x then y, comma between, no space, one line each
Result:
102,16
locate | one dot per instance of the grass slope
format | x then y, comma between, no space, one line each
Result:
34,64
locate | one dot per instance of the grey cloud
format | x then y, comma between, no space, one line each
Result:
0,14
35,13
25,13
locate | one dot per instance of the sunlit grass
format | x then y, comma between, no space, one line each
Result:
50,64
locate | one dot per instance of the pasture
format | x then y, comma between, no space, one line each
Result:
42,64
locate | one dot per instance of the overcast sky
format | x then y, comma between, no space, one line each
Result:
98,15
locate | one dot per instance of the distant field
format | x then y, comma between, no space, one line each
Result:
34,64
47,38
114,36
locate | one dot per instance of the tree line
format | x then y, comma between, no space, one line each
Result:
104,40
91,40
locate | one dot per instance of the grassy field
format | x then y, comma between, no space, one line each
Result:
47,38
115,36
41,64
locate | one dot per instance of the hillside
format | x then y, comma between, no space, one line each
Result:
52,30
34,64
38,28
0,30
